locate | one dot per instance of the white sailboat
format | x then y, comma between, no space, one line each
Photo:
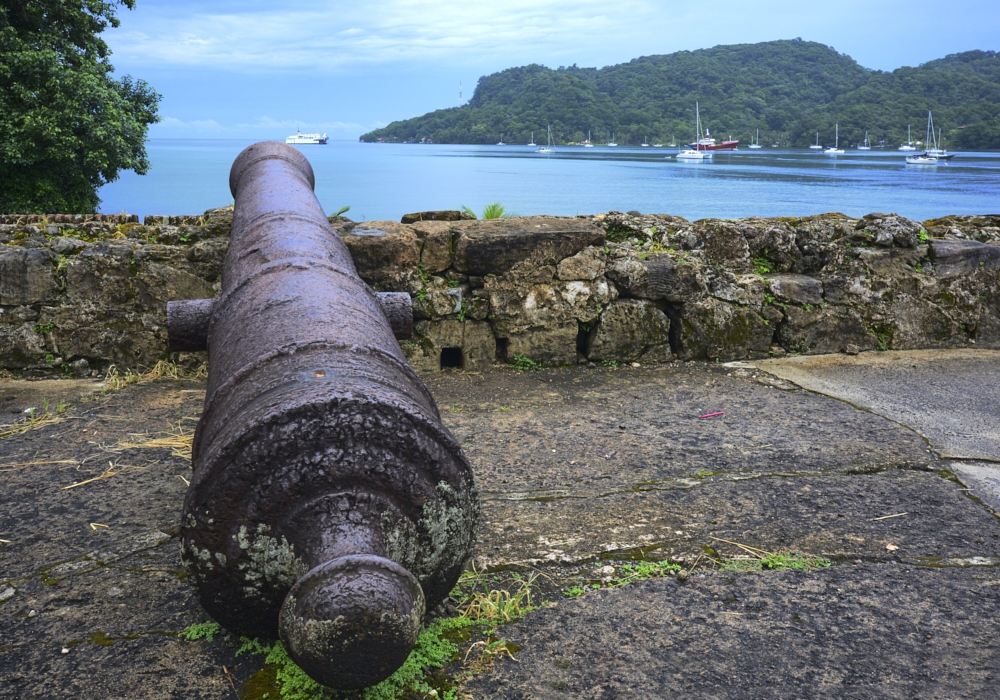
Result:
865,146
500,142
908,146
645,143
836,150
548,148
690,153
934,149
588,144
532,142
921,160
755,144
612,141
816,145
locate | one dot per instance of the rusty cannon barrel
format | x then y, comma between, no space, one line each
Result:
329,505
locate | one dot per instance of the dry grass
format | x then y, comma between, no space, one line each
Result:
112,470
15,466
496,606
115,380
32,422
178,440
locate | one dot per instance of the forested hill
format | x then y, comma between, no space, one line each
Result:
788,89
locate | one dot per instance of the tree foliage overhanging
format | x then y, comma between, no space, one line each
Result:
67,126
789,90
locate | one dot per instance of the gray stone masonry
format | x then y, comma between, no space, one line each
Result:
78,294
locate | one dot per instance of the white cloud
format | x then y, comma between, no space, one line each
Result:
266,122
261,127
324,36
199,125
339,34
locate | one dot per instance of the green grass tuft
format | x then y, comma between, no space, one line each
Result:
203,630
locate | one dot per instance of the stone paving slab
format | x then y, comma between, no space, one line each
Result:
983,479
633,466
852,631
951,397
838,517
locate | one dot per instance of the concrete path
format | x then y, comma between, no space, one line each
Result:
583,473
951,397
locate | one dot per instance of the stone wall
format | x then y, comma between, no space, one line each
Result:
76,296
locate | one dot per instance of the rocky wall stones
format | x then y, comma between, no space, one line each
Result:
494,247
630,330
612,287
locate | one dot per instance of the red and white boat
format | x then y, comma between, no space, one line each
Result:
709,144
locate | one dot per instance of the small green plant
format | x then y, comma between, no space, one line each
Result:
923,236
44,328
525,363
432,651
609,363
49,358
703,473
919,267
882,337
807,307
643,570
768,298
495,211
776,562
343,210
574,592
202,630
461,312
761,266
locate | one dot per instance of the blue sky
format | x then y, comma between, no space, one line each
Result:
255,69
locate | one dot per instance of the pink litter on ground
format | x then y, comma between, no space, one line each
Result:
713,415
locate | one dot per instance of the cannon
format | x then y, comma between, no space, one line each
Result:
329,506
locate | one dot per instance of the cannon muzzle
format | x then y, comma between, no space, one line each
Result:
329,505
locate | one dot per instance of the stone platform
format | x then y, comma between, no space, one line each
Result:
886,464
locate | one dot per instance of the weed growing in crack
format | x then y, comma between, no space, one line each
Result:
202,630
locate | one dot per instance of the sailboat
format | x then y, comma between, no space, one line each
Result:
588,144
548,148
865,146
816,145
645,143
612,141
755,144
908,146
934,149
500,142
693,153
673,142
707,143
532,142
836,150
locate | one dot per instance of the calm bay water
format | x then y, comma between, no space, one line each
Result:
385,181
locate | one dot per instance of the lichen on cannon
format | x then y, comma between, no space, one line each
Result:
329,505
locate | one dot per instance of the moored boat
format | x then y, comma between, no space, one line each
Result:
909,145
835,150
921,160
301,139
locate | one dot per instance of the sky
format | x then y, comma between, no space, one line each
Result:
258,69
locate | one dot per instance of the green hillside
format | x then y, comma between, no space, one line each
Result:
787,89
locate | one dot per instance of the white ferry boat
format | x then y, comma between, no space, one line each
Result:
300,138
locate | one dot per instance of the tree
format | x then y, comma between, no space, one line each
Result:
67,126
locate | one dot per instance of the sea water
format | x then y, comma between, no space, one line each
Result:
385,181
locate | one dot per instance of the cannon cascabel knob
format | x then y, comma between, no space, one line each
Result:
351,602
329,505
